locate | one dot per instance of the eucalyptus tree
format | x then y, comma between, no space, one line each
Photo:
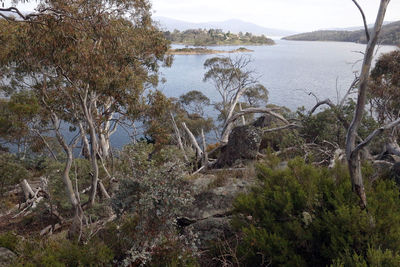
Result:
234,81
86,61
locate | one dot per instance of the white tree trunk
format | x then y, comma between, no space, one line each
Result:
352,155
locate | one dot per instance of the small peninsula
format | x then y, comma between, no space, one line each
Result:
205,51
203,37
390,35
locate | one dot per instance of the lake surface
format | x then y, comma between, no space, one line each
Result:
289,70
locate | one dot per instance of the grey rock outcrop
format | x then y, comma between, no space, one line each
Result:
243,144
210,213
6,257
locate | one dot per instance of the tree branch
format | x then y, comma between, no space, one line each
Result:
375,133
364,20
289,126
193,140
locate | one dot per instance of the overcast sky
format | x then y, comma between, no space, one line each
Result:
297,15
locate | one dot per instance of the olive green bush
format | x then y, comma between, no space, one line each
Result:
59,251
309,216
11,171
9,240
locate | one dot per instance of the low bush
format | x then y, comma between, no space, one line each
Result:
59,251
11,171
309,216
9,240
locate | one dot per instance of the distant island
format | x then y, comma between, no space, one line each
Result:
390,35
205,51
202,37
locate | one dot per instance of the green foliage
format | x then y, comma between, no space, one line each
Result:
171,254
80,174
18,115
329,124
11,171
256,95
9,240
61,252
191,110
195,101
309,216
199,37
231,77
384,87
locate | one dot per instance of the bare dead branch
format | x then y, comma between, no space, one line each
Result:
193,140
375,133
364,20
289,126
178,137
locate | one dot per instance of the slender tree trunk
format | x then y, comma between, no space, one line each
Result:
85,142
243,118
228,127
193,140
105,130
27,189
178,137
104,145
93,148
352,155
205,154
65,175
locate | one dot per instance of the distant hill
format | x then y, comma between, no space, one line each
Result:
233,25
355,28
390,35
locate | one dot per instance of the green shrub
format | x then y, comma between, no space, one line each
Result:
309,216
11,171
9,240
62,252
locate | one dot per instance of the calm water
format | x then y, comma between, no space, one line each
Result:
289,70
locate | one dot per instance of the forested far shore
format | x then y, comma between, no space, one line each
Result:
203,37
390,35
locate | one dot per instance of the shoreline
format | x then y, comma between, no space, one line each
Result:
206,51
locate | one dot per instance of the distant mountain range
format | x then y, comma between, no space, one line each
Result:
232,25
390,35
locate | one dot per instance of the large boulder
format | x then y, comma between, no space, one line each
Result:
243,144
6,257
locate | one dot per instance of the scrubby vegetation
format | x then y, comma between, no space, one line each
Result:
199,37
76,70
307,216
